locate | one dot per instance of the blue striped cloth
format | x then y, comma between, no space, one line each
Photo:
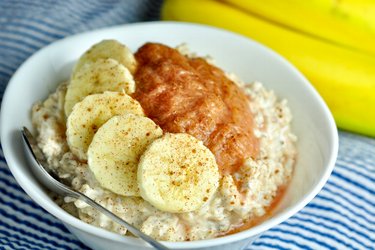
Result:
342,216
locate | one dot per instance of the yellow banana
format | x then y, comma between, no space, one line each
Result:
315,18
345,78
358,12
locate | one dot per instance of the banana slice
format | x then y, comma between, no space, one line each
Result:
91,113
97,77
115,150
108,49
177,173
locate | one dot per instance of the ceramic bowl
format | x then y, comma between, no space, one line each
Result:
312,121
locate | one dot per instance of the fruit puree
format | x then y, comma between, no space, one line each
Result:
189,95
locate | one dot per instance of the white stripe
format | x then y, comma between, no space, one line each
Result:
79,11
20,195
74,12
355,177
42,214
347,195
52,25
6,71
367,141
100,21
17,4
352,187
11,68
356,167
35,222
367,158
27,31
11,245
29,238
365,163
26,40
347,216
115,16
17,48
15,57
273,241
14,242
358,151
320,237
23,195
5,176
345,203
96,4
293,231
322,224
340,218
288,237
358,145
43,26
14,60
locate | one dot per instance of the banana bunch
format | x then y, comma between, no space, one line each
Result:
331,42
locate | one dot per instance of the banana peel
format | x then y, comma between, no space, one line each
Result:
358,12
345,78
324,22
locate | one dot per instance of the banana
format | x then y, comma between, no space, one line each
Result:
344,78
116,148
317,21
97,77
358,12
108,49
177,173
91,113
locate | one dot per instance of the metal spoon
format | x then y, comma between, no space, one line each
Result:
52,182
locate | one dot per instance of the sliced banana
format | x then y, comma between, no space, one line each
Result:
108,49
115,150
91,113
97,77
177,173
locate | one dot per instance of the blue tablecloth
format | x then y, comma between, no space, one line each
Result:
342,216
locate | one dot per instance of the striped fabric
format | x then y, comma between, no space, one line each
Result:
342,216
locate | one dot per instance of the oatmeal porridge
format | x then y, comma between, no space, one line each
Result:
244,127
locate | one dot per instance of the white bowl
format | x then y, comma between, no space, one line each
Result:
313,123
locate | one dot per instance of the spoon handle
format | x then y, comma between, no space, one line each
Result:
36,157
118,220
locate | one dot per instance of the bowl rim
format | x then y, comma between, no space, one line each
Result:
99,232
